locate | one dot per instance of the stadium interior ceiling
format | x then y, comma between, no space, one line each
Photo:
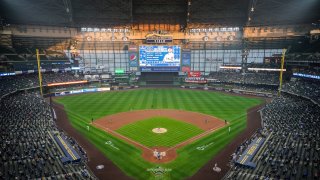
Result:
193,24
102,13
199,56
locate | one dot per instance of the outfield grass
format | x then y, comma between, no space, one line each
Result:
80,109
177,131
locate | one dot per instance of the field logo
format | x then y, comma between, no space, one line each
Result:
202,148
159,171
112,145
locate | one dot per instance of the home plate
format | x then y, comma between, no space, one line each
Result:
100,167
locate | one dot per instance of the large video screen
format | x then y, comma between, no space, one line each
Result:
159,58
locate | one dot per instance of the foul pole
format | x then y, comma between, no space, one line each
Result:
281,70
39,72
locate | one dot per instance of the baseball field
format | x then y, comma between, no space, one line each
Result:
141,131
125,126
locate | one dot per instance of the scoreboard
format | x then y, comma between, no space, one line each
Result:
159,58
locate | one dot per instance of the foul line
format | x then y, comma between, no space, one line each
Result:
123,137
188,141
194,138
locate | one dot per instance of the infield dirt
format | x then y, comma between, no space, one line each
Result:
205,122
97,158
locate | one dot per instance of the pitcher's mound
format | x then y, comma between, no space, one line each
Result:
159,130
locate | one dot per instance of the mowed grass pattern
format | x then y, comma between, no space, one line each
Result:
97,105
177,131
81,108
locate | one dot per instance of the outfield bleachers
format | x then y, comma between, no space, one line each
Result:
12,83
246,78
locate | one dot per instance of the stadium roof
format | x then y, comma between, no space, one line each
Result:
102,13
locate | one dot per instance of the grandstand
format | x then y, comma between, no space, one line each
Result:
291,151
28,149
74,74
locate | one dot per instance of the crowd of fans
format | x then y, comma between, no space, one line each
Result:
291,128
244,87
12,83
310,89
308,71
27,148
246,78
256,88
292,147
60,77
261,78
227,77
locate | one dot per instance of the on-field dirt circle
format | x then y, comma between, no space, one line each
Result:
159,130
97,157
115,121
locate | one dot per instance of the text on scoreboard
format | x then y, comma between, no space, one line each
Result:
160,56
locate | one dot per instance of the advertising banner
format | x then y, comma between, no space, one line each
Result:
186,60
198,80
133,56
194,74
159,69
119,71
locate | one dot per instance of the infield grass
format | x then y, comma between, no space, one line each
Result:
81,108
177,131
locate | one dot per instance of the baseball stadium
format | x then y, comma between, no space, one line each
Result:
159,89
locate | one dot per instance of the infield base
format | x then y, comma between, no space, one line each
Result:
205,122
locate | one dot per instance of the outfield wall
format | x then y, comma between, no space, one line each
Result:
92,90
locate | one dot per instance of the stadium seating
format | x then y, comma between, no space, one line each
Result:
247,78
291,131
13,83
258,88
310,89
27,148
227,77
292,148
